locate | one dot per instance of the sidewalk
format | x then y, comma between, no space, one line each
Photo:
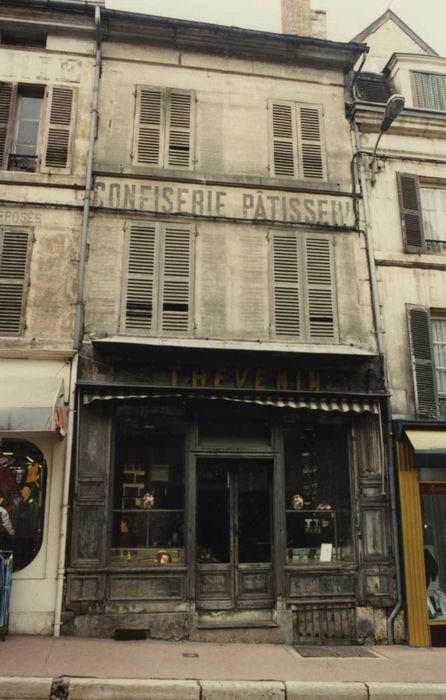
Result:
95,669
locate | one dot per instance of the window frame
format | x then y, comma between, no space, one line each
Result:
24,281
304,296
422,357
158,278
164,146
299,143
413,227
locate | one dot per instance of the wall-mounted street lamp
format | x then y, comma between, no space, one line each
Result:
394,107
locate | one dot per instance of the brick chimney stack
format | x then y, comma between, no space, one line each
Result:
298,18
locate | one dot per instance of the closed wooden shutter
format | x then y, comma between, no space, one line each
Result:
149,120
6,106
14,252
422,361
179,130
286,285
320,287
429,91
58,128
410,211
176,284
312,157
140,282
283,130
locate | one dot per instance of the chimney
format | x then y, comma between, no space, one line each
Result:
298,18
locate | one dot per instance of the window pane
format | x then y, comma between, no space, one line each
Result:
318,514
27,133
433,207
22,500
148,500
433,499
30,107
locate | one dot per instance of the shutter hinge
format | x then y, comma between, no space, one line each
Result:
268,238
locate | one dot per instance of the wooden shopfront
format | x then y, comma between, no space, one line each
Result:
213,493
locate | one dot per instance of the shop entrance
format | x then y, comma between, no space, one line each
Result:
234,534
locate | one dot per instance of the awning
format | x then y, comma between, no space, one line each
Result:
342,405
429,447
32,404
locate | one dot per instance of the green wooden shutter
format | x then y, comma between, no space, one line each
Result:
410,212
14,254
149,132
319,288
176,282
422,361
140,281
179,135
6,105
283,137
58,127
310,139
286,285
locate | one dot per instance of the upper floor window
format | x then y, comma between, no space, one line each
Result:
35,127
297,147
429,90
158,284
427,333
15,245
164,128
423,214
303,286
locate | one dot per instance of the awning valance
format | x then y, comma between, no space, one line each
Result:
429,447
341,405
32,404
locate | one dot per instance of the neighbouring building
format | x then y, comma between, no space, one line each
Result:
407,200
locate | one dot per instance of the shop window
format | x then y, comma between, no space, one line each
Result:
15,248
433,502
423,214
164,128
22,500
158,284
318,511
35,127
148,499
303,286
427,335
297,146
429,90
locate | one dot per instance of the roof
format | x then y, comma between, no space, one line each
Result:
385,17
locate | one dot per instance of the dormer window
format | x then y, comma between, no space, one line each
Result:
429,90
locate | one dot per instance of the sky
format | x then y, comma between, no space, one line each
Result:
345,18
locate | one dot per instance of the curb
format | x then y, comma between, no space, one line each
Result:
18,688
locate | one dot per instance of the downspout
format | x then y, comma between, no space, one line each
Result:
77,333
80,303
380,345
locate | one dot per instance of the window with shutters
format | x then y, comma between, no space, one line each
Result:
303,287
429,90
164,128
297,147
427,334
36,124
423,214
14,275
157,295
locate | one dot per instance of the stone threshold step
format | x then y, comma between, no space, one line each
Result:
236,624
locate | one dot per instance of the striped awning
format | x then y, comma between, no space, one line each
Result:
328,404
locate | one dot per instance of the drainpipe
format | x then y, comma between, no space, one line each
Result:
380,345
80,302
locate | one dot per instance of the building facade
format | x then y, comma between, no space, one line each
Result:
229,473
407,200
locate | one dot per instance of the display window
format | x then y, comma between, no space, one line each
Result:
148,494
318,510
23,475
433,505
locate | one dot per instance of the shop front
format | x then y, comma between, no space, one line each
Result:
421,452
221,498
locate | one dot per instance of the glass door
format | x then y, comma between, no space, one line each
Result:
234,534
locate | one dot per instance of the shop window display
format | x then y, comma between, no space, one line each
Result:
22,500
433,500
318,512
148,499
